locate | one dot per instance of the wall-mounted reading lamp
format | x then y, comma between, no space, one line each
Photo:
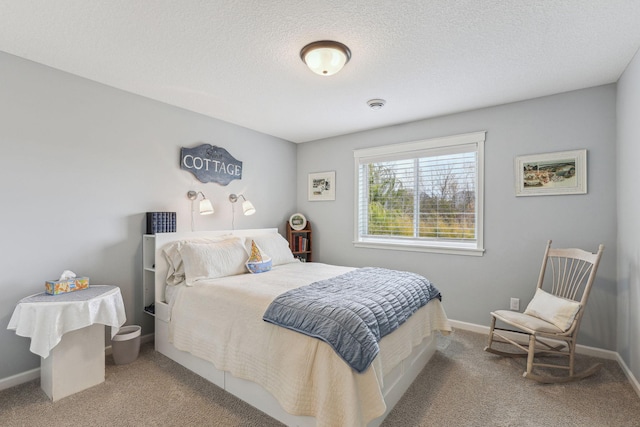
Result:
247,206
205,204
206,208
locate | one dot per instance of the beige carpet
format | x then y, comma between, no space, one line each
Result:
461,386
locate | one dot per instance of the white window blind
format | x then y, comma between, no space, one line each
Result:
424,195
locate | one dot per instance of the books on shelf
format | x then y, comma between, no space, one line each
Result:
161,222
300,244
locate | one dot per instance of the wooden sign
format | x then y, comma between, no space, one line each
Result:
210,164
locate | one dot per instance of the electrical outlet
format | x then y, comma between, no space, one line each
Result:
515,304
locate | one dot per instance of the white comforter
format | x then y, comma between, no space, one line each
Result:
220,320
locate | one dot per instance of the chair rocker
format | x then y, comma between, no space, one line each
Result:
552,319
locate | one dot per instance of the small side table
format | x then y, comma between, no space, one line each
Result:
67,331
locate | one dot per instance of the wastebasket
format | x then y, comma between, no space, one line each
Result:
125,345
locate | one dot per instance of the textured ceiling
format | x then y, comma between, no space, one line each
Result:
238,60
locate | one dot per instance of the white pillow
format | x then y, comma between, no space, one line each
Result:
213,260
555,310
175,270
274,246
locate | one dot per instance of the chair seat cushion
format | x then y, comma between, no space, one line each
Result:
553,309
532,323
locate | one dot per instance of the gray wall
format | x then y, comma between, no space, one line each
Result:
516,228
82,162
628,111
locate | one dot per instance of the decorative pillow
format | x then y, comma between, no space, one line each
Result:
276,246
555,310
175,271
258,261
213,260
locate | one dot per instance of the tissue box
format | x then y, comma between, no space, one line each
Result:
55,287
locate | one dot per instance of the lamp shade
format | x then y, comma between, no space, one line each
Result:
205,207
325,57
247,208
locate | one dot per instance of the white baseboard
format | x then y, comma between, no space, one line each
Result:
580,349
18,379
629,374
33,374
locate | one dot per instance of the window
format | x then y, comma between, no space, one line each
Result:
421,196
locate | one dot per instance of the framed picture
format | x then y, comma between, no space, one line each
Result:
297,221
322,186
551,173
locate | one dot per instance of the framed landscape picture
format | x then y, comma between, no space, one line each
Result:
551,173
322,186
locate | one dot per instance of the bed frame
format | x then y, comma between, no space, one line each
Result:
396,382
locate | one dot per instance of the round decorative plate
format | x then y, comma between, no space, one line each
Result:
298,221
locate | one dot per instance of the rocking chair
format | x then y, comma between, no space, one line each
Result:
552,319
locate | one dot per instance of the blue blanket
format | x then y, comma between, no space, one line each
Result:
353,311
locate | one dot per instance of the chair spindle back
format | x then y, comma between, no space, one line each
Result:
571,272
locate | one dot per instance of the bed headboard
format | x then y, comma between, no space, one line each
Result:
163,239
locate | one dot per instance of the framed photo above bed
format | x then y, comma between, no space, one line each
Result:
551,173
322,186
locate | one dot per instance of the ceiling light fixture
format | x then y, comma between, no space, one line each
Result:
325,57
376,104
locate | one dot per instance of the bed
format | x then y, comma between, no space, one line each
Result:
211,321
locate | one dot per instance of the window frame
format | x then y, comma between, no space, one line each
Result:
366,155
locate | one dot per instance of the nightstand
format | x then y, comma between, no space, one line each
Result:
67,332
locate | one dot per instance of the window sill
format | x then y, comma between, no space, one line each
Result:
450,249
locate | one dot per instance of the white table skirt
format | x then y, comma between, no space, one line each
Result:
46,318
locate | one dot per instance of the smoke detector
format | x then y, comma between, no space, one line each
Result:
376,104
